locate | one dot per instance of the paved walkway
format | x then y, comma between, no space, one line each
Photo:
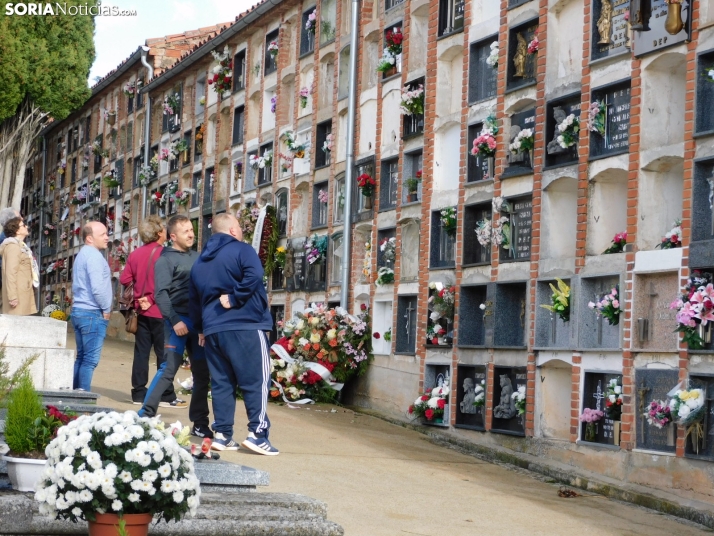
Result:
379,479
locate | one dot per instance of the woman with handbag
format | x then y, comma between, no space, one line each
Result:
19,271
143,317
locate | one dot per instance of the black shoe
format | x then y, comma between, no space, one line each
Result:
201,430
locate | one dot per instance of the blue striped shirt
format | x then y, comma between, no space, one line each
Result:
91,281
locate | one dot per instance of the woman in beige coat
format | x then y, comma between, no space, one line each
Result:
20,275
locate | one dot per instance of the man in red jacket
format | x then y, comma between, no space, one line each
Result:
150,330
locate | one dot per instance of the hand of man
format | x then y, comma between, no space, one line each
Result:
13,303
225,301
144,303
107,316
180,329
201,339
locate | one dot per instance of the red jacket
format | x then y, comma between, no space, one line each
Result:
135,271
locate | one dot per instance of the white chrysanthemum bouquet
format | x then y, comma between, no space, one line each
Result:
117,463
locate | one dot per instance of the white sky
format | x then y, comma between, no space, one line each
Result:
116,38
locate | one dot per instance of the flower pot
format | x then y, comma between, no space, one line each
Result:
108,524
24,473
674,23
616,433
184,156
368,202
413,197
671,436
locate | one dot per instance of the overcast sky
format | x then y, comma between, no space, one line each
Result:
116,38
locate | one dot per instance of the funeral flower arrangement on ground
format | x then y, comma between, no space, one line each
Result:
319,348
609,306
695,307
117,463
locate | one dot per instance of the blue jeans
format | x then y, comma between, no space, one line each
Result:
90,328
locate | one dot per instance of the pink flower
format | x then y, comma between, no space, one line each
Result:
616,304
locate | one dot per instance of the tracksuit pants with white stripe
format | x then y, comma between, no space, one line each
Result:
239,359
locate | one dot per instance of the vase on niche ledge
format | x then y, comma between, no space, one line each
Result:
367,202
590,432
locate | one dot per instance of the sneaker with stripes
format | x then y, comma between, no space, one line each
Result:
221,442
259,445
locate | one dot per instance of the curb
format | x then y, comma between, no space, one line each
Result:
629,493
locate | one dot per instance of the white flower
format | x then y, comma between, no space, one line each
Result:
165,470
116,506
125,476
683,411
418,401
433,402
618,389
133,497
178,497
693,403
482,306
149,476
144,460
94,460
76,511
612,398
84,496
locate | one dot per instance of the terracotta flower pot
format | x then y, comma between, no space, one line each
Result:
108,524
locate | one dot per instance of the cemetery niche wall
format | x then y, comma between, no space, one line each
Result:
701,249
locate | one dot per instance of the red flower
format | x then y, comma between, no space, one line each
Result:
608,403
435,340
363,306
376,335
441,403
206,445
429,414
411,409
418,174
424,398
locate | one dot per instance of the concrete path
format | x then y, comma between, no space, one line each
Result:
379,479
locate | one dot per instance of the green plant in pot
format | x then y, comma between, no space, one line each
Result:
412,185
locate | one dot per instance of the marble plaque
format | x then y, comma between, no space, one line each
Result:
557,111
510,315
594,331
594,398
505,382
617,122
654,384
469,383
658,38
617,40
405,332
653,321
520,163
409,254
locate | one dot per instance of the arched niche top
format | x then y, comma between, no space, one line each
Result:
373,36
409,220
186,175
302,187
290,20
553,362
224,161
306,67
562,184
266,198
364,229
668,62
213,116
527,14
420,8
448,124
137,195
452,53
288,76
520,105
610,175
363,296
663,163
556,6
328,58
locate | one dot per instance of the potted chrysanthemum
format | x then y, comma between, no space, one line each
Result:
113,467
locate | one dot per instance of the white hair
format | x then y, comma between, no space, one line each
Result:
7,214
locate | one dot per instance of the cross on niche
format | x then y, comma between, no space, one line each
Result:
710,180
598,395
408,317
642,392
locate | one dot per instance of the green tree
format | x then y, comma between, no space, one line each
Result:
44,65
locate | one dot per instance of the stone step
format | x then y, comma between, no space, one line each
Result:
219,475
68,396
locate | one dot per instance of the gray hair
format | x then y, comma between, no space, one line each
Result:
7,214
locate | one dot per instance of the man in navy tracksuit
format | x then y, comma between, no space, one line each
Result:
229,308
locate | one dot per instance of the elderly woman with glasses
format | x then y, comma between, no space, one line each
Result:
20,275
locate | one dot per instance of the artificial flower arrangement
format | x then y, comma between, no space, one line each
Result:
480,394
80,197
273,103
117,463
129,89
95,187
658,414
121,253
673,238
316,248
434,332
273,49
222,79
501,226
166,154
534,45
519,399
709,74
111,181
560,300
568,129
323,345
609,306
484,232
171,104
297,150
385,276
492,60
286,162
157,198
202,101
323,197
97,149
447,217
304,93
523,141
327,145
394,39
280,257
311,23
412,102
366,184
367,261
618,244
688,408
430,405
146,174
178,146
182,197
441,301
154,163
591,417
596,117
248,218
412,183
485,143
695,308
49,226
260,162
613,400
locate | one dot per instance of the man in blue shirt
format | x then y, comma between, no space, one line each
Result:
92,305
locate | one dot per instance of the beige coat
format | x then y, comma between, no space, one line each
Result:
17,280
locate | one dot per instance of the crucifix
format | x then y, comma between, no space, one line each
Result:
641,393
598,395
408,316
710,180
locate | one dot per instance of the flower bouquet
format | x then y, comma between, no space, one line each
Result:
165,155
304,93
534,45
658,414
171,104
709,74
182,197
273,103
117,463
492,60
222,79
430,406
412,102
695,309
388,335
560,300
441,301
260,162
613,400
569,129
673,238
273,49
316,248
688,408
609,306
385,276
519,398
388,60
311,23
297,150
618,244
280,257
388,247
523,141
146,174
596,117
448,220
434,332
327,145
590,417
484,144
129,89
480,394
366,184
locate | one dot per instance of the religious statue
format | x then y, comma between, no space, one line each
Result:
467,404
553,146
604,23
506,408
519,58
289,269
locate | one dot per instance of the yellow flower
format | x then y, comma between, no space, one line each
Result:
315,337
331,334
315,320
58,315
281,249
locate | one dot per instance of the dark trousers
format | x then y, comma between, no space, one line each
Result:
239,359
174,347
150,332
